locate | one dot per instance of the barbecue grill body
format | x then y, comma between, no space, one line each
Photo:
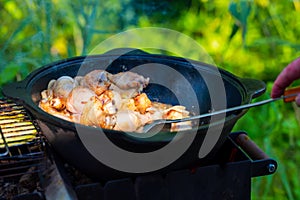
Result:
63,135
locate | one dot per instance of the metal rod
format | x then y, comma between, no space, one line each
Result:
5,144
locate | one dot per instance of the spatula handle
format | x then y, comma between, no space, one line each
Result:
289,92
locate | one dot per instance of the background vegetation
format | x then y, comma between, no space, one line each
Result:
256,38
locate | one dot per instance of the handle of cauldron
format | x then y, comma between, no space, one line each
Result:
261,164
254,88
253,151
15,90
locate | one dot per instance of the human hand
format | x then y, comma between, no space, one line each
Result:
289,74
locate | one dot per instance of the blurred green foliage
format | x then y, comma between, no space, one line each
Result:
254,38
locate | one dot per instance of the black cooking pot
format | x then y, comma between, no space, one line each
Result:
173,80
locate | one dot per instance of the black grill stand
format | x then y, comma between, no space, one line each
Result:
231,180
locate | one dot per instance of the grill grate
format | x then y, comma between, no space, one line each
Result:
21,142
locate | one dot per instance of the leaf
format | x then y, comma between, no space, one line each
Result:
240,11
233,10
234,30
245,11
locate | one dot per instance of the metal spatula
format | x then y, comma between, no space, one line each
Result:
289,96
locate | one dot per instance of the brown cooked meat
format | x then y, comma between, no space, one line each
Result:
110,101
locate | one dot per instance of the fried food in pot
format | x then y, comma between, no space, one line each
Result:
110,101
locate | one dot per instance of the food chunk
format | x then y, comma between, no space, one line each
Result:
178,112
55,97
128,84
95,113
97,81
127,121
77,99
61,87
142,103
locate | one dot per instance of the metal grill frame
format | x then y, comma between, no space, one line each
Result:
17,159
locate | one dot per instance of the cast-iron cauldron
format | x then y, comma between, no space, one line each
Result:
173,80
